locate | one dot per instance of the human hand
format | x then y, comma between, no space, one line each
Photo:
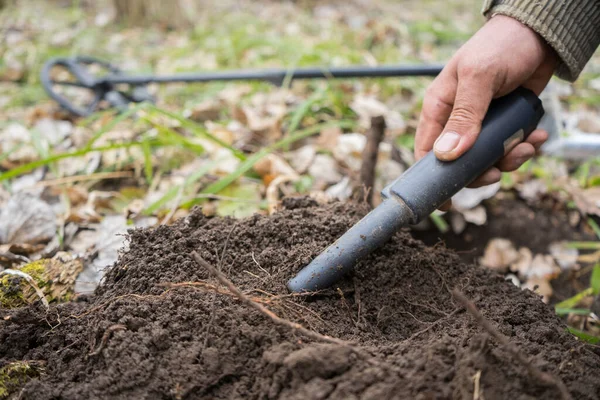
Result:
503,55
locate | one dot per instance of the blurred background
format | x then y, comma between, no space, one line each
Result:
72,186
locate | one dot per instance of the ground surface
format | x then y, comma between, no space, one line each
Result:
136,339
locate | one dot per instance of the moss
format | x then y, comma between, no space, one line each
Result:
55,277
14,375
36,270
11,293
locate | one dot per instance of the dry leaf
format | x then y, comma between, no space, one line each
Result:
532,190
209,110
565,256
457,222
476,216
272,165
523,262
586,200
27,219
543,266
302,158
108,240
348,150
341,190
324,170
468,198
540,286
499,254
329,137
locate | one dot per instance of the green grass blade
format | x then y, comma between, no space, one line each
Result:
594,226
439,222
304,108
172,137
584,245
76,153
198,130
254,158
148,168
172,193
567,311
119,118
571,302
595,280
586,337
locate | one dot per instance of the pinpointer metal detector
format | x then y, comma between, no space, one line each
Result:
423,188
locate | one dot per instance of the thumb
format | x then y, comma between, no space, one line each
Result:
473,97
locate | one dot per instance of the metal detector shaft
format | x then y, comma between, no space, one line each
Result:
278,76
423,188
108,89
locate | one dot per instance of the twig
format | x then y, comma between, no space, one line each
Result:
259,307
369,156
30,280
543,377
106,336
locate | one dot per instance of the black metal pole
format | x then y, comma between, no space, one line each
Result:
279,75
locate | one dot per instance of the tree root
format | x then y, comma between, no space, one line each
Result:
261,308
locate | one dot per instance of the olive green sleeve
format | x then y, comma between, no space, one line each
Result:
571,27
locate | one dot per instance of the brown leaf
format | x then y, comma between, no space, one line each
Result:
27,219
499,254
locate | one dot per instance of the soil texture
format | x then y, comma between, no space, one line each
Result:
141,337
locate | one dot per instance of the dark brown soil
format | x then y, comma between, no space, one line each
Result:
136,339
534,226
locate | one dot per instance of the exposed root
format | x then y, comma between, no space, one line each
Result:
106,336
262,309
544,377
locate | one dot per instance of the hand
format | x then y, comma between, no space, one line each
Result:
501,56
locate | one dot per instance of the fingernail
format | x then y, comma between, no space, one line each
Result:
447,142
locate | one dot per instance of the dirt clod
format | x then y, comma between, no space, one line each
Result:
201,342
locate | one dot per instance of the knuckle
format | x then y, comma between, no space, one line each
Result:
464,113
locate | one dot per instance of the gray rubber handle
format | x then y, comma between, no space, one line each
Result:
430,182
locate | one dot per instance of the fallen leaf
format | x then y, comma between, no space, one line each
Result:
586,200
27,219
341,190
540,286
476,216
209,110
468,198
108,239
532,190
302,158
499,254
457,222
245,200
348,150
565,256
273,165
522,263
324,170
329,137
543,266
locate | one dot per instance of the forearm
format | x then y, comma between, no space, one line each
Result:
570,27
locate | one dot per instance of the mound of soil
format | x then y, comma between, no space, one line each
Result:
142,337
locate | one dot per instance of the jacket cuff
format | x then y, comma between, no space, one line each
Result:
571,27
